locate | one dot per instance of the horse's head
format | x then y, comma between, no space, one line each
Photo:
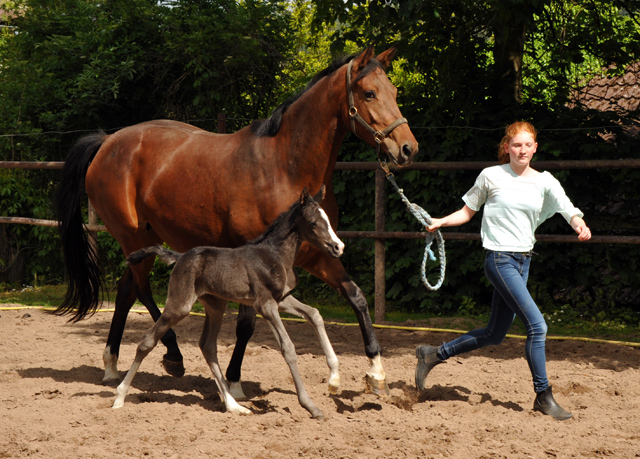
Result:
373,110
315,227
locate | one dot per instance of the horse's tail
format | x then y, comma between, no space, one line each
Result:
81,259
166,255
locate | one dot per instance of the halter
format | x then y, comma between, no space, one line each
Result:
378,136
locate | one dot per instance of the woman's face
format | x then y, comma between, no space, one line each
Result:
521,149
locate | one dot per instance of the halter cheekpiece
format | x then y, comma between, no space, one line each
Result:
354,116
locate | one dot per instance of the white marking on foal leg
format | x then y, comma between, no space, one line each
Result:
110,366
230,404
124,386
235,388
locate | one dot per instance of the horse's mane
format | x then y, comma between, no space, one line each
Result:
269,127
290,214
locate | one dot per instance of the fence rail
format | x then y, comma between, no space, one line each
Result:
380,235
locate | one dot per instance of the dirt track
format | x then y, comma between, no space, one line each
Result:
53,405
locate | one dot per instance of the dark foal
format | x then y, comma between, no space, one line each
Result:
258,274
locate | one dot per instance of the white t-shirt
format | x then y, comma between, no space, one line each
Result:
515,206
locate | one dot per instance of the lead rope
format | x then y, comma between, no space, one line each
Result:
425,219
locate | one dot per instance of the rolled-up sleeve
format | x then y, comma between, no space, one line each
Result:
477,195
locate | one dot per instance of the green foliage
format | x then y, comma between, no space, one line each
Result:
29,252
446,70
72,65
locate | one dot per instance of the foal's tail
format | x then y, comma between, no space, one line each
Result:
81,260
166,255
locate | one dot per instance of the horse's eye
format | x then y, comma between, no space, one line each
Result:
370,94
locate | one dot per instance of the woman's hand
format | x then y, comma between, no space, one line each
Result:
581,228
435,225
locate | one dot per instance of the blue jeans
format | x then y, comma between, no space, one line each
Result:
508,273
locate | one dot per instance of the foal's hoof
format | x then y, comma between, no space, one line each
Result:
334,390
174,368
378,387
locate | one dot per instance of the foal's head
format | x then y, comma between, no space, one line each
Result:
314,226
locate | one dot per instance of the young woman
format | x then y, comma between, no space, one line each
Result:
516,199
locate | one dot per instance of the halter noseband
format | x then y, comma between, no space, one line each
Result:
354,116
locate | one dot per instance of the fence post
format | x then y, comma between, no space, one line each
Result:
380,281
222,123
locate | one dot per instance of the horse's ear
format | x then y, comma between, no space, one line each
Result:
363,59
386,57
304,195
320,194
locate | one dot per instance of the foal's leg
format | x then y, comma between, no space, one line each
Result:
214,310
270,312
311,314
244,330
177,308
132,285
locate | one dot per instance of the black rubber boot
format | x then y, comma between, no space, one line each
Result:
546,404
427,359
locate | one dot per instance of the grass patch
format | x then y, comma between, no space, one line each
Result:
340,311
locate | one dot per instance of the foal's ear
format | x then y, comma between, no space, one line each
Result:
363,59
320,194
304,195
386,57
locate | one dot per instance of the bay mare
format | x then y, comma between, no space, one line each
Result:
258,274
166,181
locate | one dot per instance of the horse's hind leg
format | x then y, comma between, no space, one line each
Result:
244,330
214,311
124,300
270,312
293,306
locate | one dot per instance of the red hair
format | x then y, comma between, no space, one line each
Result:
509,133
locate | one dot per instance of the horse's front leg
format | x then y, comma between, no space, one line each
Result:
244,330
331,271
376,378
293,306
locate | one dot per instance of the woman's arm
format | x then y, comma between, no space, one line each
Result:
459,217
580,227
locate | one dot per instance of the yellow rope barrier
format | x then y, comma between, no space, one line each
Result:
389,327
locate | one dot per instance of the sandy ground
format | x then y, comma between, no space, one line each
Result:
53,405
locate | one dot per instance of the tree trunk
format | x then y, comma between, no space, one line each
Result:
508,49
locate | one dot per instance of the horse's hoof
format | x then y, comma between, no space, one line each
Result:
111,382
173,368
319,416
378,387
235,389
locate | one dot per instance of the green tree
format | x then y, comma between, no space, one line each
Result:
72,66
466,70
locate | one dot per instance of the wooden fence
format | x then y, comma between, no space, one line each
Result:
379,235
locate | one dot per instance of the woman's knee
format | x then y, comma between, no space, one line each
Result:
538,330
